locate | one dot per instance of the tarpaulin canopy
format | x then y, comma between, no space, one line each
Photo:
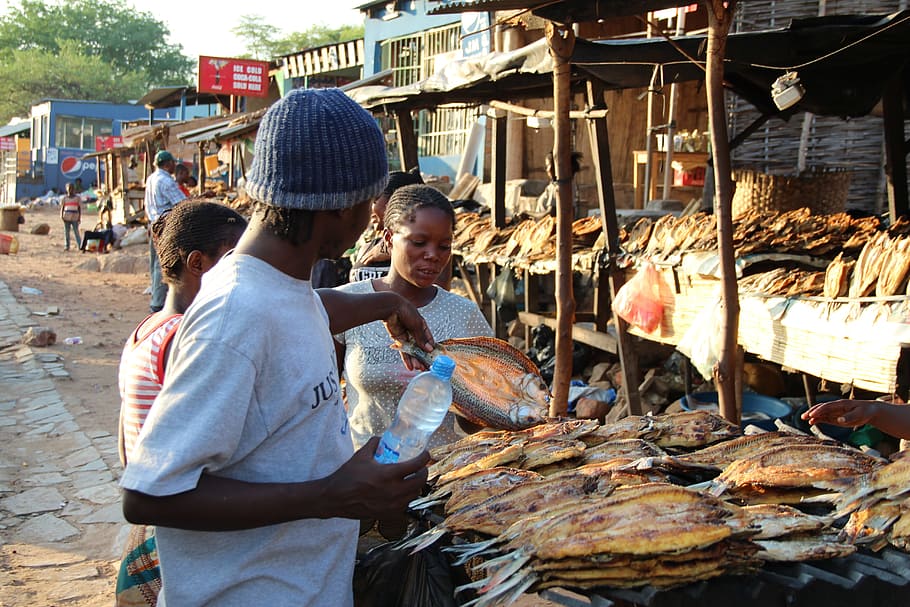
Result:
843,62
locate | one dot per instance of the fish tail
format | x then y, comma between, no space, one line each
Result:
425,539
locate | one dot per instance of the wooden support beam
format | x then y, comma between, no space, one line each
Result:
498,174
526,111
407,140
468,282
499,328
532,289
483,281
202,169
603,176
561,40
595,339
895,149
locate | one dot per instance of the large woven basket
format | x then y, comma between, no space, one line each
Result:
823,190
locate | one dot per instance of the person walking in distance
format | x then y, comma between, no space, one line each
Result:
161,194
245,463
71,214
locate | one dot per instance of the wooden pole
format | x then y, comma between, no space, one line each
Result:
561,41
719,20
407,140
603,173
498,173
895,149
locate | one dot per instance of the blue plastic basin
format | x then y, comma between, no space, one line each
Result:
758,409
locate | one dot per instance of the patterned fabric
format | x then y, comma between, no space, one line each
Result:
141,375
375,374
139,579
317,149
161,194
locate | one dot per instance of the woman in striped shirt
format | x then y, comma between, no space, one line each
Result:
190,240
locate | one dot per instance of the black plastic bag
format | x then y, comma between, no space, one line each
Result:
390,576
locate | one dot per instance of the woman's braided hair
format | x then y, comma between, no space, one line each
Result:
408,199
193,225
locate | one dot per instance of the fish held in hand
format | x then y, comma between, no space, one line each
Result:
494,384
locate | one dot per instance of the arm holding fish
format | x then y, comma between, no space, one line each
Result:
401,318
360,488
888,417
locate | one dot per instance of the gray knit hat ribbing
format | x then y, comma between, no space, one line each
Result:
317,149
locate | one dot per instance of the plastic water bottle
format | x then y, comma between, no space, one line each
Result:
420,412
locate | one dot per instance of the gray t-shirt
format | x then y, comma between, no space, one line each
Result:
375,376
251,393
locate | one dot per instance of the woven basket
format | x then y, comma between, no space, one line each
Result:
823,190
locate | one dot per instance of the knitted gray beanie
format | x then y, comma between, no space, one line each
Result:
317,149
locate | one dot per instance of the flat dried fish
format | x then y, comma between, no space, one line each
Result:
494,384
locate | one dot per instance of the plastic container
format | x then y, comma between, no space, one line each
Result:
420,411
9,245
758,409
72,341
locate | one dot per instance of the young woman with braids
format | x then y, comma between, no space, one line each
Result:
419,224
190,240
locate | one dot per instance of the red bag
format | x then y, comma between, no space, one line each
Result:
638,301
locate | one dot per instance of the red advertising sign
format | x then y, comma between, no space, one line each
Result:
108,143
233,76
7,144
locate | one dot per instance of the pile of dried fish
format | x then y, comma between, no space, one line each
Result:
784,282
525,239
796,232
580,505
651,534
880,506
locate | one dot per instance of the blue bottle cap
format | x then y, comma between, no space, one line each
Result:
443,366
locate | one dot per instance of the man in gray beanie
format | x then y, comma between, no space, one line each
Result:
245,463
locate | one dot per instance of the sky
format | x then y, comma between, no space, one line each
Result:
204,27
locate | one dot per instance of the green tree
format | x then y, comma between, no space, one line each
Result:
126,40
263,42
317,35
258,36
31,75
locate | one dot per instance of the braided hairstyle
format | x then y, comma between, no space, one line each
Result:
408,199
193,225
284,223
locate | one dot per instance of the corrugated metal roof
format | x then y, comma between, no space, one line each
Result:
169,96
15,129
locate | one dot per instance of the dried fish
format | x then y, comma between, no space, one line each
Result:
494,384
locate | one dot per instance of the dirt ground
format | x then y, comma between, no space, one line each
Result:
101,308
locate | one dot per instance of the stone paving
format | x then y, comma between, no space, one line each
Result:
59,502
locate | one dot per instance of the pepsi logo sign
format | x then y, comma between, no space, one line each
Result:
72,166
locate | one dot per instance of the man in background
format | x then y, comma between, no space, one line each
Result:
161,195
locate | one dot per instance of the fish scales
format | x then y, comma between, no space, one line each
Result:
484,484
467,463
655,533
494,384
497,513
776,520
723,454
594,527
798,466
540,453
692,429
